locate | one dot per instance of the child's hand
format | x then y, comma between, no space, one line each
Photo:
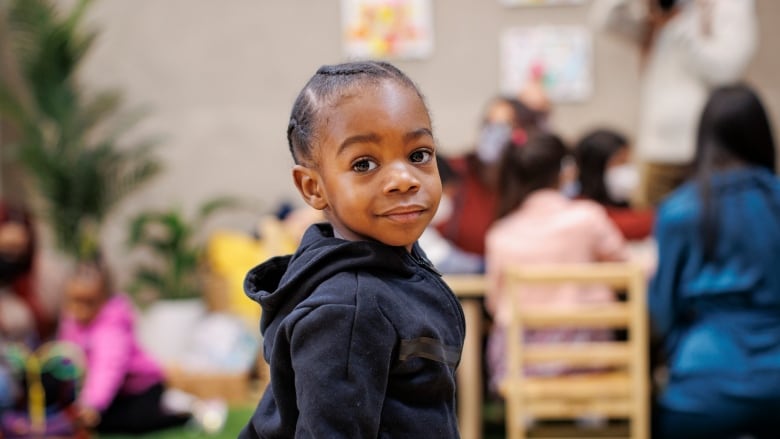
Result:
88,416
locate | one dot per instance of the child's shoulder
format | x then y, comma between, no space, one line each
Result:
117,308
588,208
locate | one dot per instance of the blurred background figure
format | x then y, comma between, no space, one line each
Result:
445,256
607,176
539,225
22,316
687,48
44,384
9,387
475,200
715,300
124,389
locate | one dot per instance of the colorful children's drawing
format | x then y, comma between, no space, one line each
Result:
558,56
387,29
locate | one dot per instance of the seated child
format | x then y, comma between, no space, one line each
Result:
124,387
607,176
539,225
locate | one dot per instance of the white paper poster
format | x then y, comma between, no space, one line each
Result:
560,57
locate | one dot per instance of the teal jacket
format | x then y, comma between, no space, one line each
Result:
718,319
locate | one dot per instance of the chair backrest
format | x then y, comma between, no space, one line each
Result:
623,392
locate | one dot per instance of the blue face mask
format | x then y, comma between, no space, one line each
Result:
492,140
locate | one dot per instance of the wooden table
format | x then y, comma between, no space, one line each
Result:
470,289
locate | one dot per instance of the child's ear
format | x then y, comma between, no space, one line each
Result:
307,180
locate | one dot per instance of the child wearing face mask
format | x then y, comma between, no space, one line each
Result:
607,176
476,196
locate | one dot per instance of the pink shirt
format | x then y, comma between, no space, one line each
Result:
116,364
550,228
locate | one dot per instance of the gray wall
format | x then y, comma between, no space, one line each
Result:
219,78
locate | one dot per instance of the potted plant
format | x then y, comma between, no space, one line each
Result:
67,141
170,283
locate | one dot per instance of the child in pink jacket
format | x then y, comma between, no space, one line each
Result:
123,387
539,225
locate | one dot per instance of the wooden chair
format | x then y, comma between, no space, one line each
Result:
470,289
621,393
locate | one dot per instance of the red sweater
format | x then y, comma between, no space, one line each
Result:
474,210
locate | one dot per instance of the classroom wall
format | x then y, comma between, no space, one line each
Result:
219,78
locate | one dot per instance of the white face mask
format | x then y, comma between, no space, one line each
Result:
621,182
444,211
492,139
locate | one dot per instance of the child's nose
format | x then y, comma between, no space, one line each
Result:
401,178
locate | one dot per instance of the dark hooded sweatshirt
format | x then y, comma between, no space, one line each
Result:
362,338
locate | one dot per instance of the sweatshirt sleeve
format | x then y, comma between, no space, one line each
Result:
107,360
722,55
623,18
341,367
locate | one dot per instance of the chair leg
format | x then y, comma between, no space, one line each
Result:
515,427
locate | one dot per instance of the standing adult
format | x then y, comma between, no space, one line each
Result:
688,48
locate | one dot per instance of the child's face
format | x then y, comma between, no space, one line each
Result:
375,175
84,295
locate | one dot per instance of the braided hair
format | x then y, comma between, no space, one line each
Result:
328,85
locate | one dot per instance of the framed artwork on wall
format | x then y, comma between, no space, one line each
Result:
387,29
560,57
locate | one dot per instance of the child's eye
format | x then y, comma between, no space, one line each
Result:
421,156
363,165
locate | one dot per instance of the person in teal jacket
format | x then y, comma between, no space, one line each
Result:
715,298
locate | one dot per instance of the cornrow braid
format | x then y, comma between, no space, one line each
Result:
328,85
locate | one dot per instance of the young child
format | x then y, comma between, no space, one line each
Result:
123,387
607,176
539,225
361,334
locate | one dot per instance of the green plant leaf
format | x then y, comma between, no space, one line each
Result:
70,140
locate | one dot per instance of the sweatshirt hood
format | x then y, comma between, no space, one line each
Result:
282,282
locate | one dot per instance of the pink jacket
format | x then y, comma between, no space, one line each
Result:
116,363
550,228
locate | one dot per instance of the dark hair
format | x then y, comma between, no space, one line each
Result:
592,154
329,84
524,116
96,264
20,215
734,130
446,173
527,167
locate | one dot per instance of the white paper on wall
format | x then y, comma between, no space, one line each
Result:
560,57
